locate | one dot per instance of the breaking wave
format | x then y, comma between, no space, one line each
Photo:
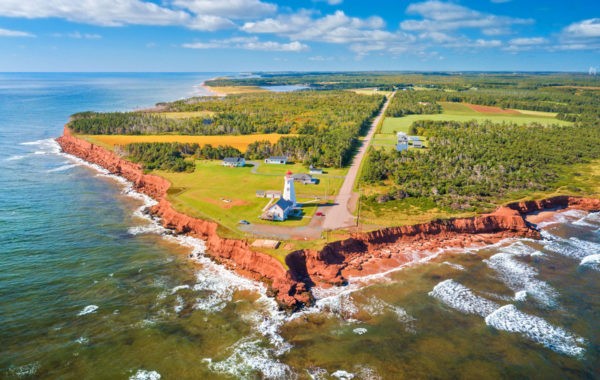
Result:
519,276
461,298
89,309
509,318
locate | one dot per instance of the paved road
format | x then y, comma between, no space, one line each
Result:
339,215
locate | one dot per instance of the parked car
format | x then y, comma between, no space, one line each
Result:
319,214
243,221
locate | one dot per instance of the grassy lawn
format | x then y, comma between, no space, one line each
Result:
457,112
240,142
227,195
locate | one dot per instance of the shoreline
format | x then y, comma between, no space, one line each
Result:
361,255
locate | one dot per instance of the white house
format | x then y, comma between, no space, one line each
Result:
234,162
282,209
305,179
281,160
402,141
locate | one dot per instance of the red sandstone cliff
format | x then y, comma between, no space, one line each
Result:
361,254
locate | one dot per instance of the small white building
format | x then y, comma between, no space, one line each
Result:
279,160
313,170
416,141
401,141
234,162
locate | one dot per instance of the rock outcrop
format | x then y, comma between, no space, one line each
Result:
363,253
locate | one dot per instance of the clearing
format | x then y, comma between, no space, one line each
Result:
228,195
240,142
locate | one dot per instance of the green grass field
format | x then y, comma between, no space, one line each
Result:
227,195
460,112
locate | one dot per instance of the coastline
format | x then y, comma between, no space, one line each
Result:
362,254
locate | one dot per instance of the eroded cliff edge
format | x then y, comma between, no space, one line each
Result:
363,253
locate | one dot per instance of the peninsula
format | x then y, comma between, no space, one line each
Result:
363,200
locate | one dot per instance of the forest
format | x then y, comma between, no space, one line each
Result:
172,156
387,80
469,165
324,126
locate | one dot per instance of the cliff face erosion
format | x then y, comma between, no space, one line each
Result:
363,253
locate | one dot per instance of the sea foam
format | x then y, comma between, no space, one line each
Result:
89,309
521,277
143,374
461,298
509,318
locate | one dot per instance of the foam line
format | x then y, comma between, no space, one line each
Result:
508,318
461,298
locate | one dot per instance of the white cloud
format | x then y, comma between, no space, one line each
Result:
14,33
582,35
97,12
584,29
528,41
334,28
248,43
443,16
230,9
79,36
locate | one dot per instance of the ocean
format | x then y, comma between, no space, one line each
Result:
92,289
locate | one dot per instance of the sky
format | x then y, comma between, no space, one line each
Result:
298,35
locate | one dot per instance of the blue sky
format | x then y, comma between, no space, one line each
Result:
269,35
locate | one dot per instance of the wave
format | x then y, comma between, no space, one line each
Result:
509,318
248,357
63,168
27,370
573,247
520,277
566,217
461,298
89,309
143,374
592,261
45,146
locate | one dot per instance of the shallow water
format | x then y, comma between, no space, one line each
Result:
90,289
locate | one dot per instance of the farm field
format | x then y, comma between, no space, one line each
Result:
240,142
462,112
370,91
228,195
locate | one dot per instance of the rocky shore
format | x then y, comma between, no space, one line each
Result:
364,253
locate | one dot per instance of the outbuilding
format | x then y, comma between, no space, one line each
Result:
279,160
234,162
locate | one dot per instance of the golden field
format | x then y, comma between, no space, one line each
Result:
240,142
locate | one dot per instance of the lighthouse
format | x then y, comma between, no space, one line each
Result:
289,193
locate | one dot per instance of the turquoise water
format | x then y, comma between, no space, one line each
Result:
90,289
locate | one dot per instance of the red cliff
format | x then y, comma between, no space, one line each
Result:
361,254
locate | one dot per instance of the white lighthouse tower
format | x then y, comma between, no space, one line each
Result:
289,193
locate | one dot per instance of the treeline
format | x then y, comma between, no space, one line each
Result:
412,103
469,165
297,113
172,156
390,80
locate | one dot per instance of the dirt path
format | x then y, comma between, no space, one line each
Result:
339,215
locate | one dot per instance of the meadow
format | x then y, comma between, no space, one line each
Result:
240,142
228,195
461,112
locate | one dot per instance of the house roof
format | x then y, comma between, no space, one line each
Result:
233,159
301,177
283,204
